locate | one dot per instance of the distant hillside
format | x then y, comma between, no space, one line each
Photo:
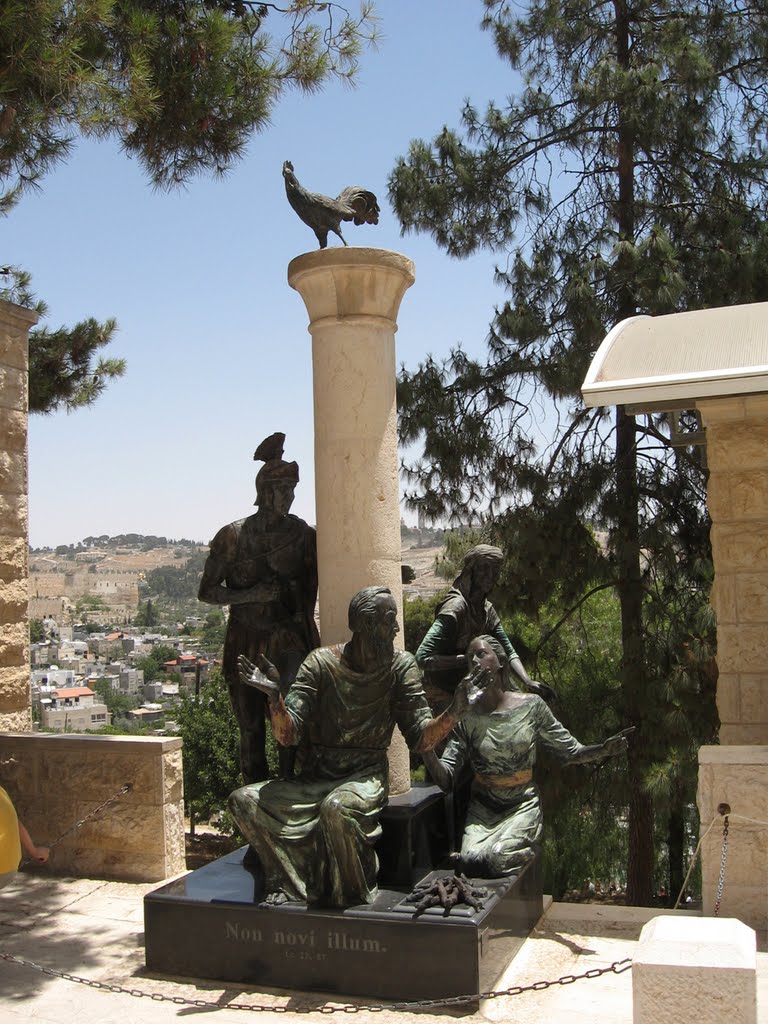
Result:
122,540
104,579
107,579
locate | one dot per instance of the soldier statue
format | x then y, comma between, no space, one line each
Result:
265,568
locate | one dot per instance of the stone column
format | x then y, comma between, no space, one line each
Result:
352,297
735,774
737,499
15,713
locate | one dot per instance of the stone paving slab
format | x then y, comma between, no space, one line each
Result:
30,898
94,929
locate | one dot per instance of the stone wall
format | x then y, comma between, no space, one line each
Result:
737,498
736,776
118,590
56,781
15,323
736,773
47,608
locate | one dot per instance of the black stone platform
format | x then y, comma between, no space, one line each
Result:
209,925
414,836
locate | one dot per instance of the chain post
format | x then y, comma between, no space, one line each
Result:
725,810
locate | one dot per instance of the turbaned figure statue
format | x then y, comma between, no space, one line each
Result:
464,613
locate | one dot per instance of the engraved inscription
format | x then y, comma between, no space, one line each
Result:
294,939
238,933
343,941
304,945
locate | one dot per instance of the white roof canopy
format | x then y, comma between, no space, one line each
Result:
667,362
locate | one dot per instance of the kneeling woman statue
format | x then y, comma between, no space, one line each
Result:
498,741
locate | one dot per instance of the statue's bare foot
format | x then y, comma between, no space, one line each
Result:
276,899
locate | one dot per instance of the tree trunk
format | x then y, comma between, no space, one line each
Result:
641,853
676,848
641,862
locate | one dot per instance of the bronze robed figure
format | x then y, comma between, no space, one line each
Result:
314,835
465,612
265,568
498,741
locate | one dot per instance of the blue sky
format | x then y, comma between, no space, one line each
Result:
216,342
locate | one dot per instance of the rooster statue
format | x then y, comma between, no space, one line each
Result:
324,214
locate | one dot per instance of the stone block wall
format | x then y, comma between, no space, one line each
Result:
56,780
737,498
737,776
15,323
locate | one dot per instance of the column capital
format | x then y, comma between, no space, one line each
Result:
351,282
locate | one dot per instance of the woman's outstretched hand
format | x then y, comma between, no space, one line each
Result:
470,688
617,744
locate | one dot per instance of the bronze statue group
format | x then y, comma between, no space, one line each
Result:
333,709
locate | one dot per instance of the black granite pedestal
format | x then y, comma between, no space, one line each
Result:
210,925
414,835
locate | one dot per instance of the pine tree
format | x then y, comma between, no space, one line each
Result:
627,176
181,84
65,370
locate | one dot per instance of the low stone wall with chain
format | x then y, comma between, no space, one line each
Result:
134,785
733,781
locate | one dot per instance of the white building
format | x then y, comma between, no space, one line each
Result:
53,677
73,709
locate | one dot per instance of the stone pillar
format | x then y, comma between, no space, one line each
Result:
737,499
736,773
738,778
689,971
15,713
352,297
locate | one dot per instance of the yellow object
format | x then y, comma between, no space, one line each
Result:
10,843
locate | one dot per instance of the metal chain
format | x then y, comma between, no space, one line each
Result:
618,967
721,877
79,824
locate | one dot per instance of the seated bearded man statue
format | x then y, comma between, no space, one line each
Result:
314,835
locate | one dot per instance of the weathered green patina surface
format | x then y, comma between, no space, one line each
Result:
314,835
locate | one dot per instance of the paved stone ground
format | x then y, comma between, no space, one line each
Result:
94,929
